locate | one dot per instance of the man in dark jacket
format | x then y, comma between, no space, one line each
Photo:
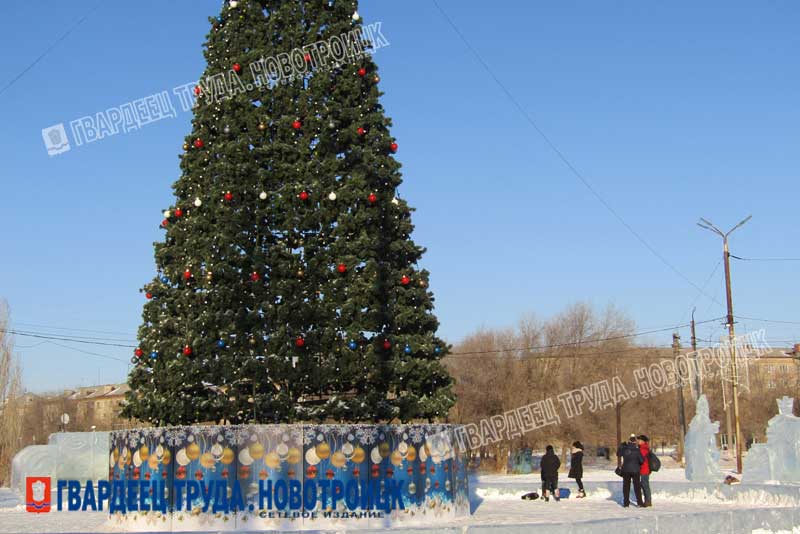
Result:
576,467
549,465
632,461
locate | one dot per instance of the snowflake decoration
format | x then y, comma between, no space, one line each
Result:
367,435
175,437
417,434
308,439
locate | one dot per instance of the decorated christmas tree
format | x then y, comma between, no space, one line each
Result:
287,285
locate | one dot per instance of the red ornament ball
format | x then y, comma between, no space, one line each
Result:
362,71
361,131
197,90
178,212
387,344
342,268
405,280
148,295
303,195
228,196
394,147
198,143
373,198
299,342
138,352
187,274
297,125
237,68
164,222
187,350
255,277
307,57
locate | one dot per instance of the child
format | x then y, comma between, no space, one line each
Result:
549,465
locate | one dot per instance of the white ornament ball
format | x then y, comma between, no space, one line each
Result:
332,196
395,201
263,195
198,202
356,16
233,3
167,214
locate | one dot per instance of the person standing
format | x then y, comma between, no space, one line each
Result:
631,466
644,472
576,467
549,466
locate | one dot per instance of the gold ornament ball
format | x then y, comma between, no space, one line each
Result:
423,283
294,456
359,455
166,458
384,449
300,273
252,341
272,460
323,450
338,460
256,450
411,453
227,456
207,460
144,452
262,126
186,146
193,451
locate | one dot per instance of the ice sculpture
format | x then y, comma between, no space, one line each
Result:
67,455
702,454
779,458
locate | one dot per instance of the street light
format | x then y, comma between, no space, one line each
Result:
731,336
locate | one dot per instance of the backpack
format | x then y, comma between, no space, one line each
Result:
655,463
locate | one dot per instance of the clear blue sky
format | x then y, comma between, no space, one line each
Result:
671,112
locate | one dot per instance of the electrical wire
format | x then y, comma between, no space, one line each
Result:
765,320
564,159
764,259
44,336
49,49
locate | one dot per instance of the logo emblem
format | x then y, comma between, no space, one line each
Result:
37,494
55,139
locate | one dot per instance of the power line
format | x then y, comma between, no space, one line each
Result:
57,338
564,159
72,329
585,341
76,349
48,49
492,353
764,259
74,337
765,320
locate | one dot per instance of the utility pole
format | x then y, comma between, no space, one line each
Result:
676,350
731,335
698,365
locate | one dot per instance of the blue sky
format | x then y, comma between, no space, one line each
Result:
670,112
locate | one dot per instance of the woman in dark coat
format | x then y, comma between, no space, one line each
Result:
576,467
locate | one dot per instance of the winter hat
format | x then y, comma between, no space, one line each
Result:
644,438
549,448
578,445
632,439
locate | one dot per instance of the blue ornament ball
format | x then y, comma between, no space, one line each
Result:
437,350
164,279
408,349
221,344
154,355
353,345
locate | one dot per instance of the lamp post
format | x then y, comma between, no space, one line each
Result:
731,336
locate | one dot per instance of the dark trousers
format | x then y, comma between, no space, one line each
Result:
646,489
579,482
551,484
626,488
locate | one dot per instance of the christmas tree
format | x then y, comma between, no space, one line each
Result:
287,286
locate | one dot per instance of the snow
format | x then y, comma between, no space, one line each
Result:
702,454
679,506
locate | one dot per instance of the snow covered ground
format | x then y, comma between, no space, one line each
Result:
678,507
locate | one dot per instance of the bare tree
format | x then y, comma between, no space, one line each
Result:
12,406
